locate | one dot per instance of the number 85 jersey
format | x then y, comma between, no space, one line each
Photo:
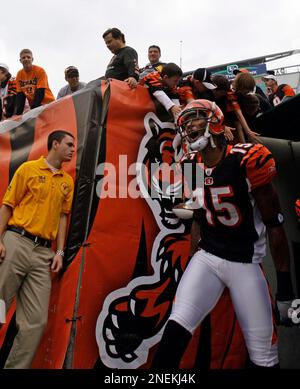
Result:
231,226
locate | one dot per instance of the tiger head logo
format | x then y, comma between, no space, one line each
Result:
159,175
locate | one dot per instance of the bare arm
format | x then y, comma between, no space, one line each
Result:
61,237
5,214
268,204
279,248
239,132
62,231
251,135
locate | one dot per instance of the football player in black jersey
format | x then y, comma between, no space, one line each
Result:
238,209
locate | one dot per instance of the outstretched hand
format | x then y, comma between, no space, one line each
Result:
175,110
253,137
228,133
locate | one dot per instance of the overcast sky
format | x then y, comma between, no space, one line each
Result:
69,32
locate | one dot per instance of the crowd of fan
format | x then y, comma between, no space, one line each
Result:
240,99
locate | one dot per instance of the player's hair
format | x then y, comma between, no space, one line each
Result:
244,83
115,33
154,47
221,81
171,69
25,51
57,135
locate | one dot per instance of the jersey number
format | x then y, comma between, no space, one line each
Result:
232,218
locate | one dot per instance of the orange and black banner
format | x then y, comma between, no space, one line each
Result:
126,251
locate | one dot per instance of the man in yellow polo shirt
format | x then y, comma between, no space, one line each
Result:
33,214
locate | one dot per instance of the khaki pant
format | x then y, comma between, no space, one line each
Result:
25,274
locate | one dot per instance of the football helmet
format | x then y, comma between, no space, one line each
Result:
197,122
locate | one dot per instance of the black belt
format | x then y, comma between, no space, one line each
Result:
36,239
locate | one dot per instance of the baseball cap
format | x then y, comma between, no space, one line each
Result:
204,76
4,66
241,70
71,71
269,77
221,82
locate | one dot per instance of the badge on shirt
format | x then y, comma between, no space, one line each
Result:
208,181
65,188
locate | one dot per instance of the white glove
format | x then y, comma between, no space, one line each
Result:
285,312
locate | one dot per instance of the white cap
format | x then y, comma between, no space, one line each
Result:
269,77
4,66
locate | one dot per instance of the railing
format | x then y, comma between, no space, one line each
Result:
287,70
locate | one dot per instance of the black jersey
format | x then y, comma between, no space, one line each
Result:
230,222
186,91
151,68
154,82
283,91
124,64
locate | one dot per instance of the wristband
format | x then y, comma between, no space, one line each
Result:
275,221
284,286
60,252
